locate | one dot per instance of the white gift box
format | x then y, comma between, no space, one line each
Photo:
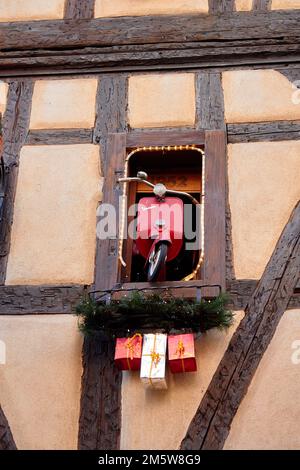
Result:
153,365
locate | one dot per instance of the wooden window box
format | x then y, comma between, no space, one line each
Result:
213,268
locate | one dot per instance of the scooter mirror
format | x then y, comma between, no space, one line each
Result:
142,174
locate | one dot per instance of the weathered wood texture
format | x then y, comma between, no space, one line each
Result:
150,42
214,222
48,300
241,291
100,407
263,131
111,117
79,9
27,300
291,73
15,128
209,101
211,423
221,6
164,136
6,438
100,415
59,137
261,5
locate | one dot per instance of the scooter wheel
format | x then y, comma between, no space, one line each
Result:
157,260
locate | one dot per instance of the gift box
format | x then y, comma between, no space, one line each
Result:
181,353
153,365
128,352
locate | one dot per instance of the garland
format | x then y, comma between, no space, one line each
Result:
153,312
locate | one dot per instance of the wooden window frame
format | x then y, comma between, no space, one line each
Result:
213,272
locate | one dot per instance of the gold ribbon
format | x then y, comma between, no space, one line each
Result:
155,358
180,352
130,346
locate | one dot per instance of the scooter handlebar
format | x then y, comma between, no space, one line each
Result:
169,191
135,179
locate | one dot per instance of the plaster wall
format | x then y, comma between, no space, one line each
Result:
110,8
64,104
161,100
158,419
243,5
28,10
285,4
268,417
40,381
54,226
259,95
3,96
263,190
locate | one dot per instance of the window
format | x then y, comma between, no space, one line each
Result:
186,172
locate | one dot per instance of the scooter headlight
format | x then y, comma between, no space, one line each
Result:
159,190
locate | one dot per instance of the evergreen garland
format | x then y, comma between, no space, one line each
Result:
137,312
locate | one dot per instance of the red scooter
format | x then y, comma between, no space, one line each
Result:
160,226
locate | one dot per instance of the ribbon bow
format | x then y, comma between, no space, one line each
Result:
155,358
130,346
180,348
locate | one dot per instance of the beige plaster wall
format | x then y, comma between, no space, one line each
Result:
158,419
3,96
64,103
148,7
158,100
263,190
54,226
258,95
243,5
269,415
285,4
22,10
41,380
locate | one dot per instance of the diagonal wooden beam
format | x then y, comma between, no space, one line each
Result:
211,423
6,438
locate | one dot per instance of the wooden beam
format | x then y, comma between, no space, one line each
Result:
141,30
100,406
263,131
15,128
28,300
59,136
209,101
111,118
211,423
6,438
163,136
221,6
49,300
79,9
150,43
214,219
261,5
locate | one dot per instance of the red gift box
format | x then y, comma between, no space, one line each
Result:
128,352
181,353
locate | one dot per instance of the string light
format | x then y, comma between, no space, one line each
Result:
124,198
